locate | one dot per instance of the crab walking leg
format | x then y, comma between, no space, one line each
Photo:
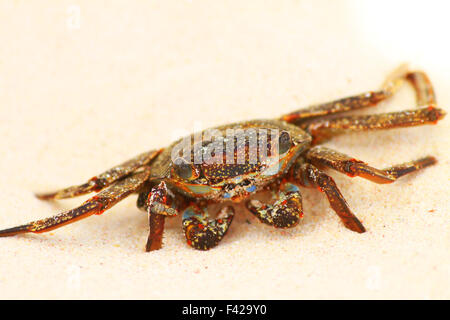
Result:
418,79
104,179
156,223
203,233
285,212
325,129
364,100
95,205
309,176
324,157
159,205
424,89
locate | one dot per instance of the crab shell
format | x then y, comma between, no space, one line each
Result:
236,180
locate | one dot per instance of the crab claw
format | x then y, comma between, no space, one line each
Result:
203,233
284,213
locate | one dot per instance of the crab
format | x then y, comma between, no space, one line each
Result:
169,183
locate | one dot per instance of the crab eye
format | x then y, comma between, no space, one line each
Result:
184,170
284,142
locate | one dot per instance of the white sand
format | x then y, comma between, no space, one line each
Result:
133,76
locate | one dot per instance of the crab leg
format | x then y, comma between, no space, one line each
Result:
309,176
156,223
284,213
203,233
418,79
104,179
422,86
324,157
324,129
159,205
364,100
95,205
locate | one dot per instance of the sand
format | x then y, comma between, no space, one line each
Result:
85,85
